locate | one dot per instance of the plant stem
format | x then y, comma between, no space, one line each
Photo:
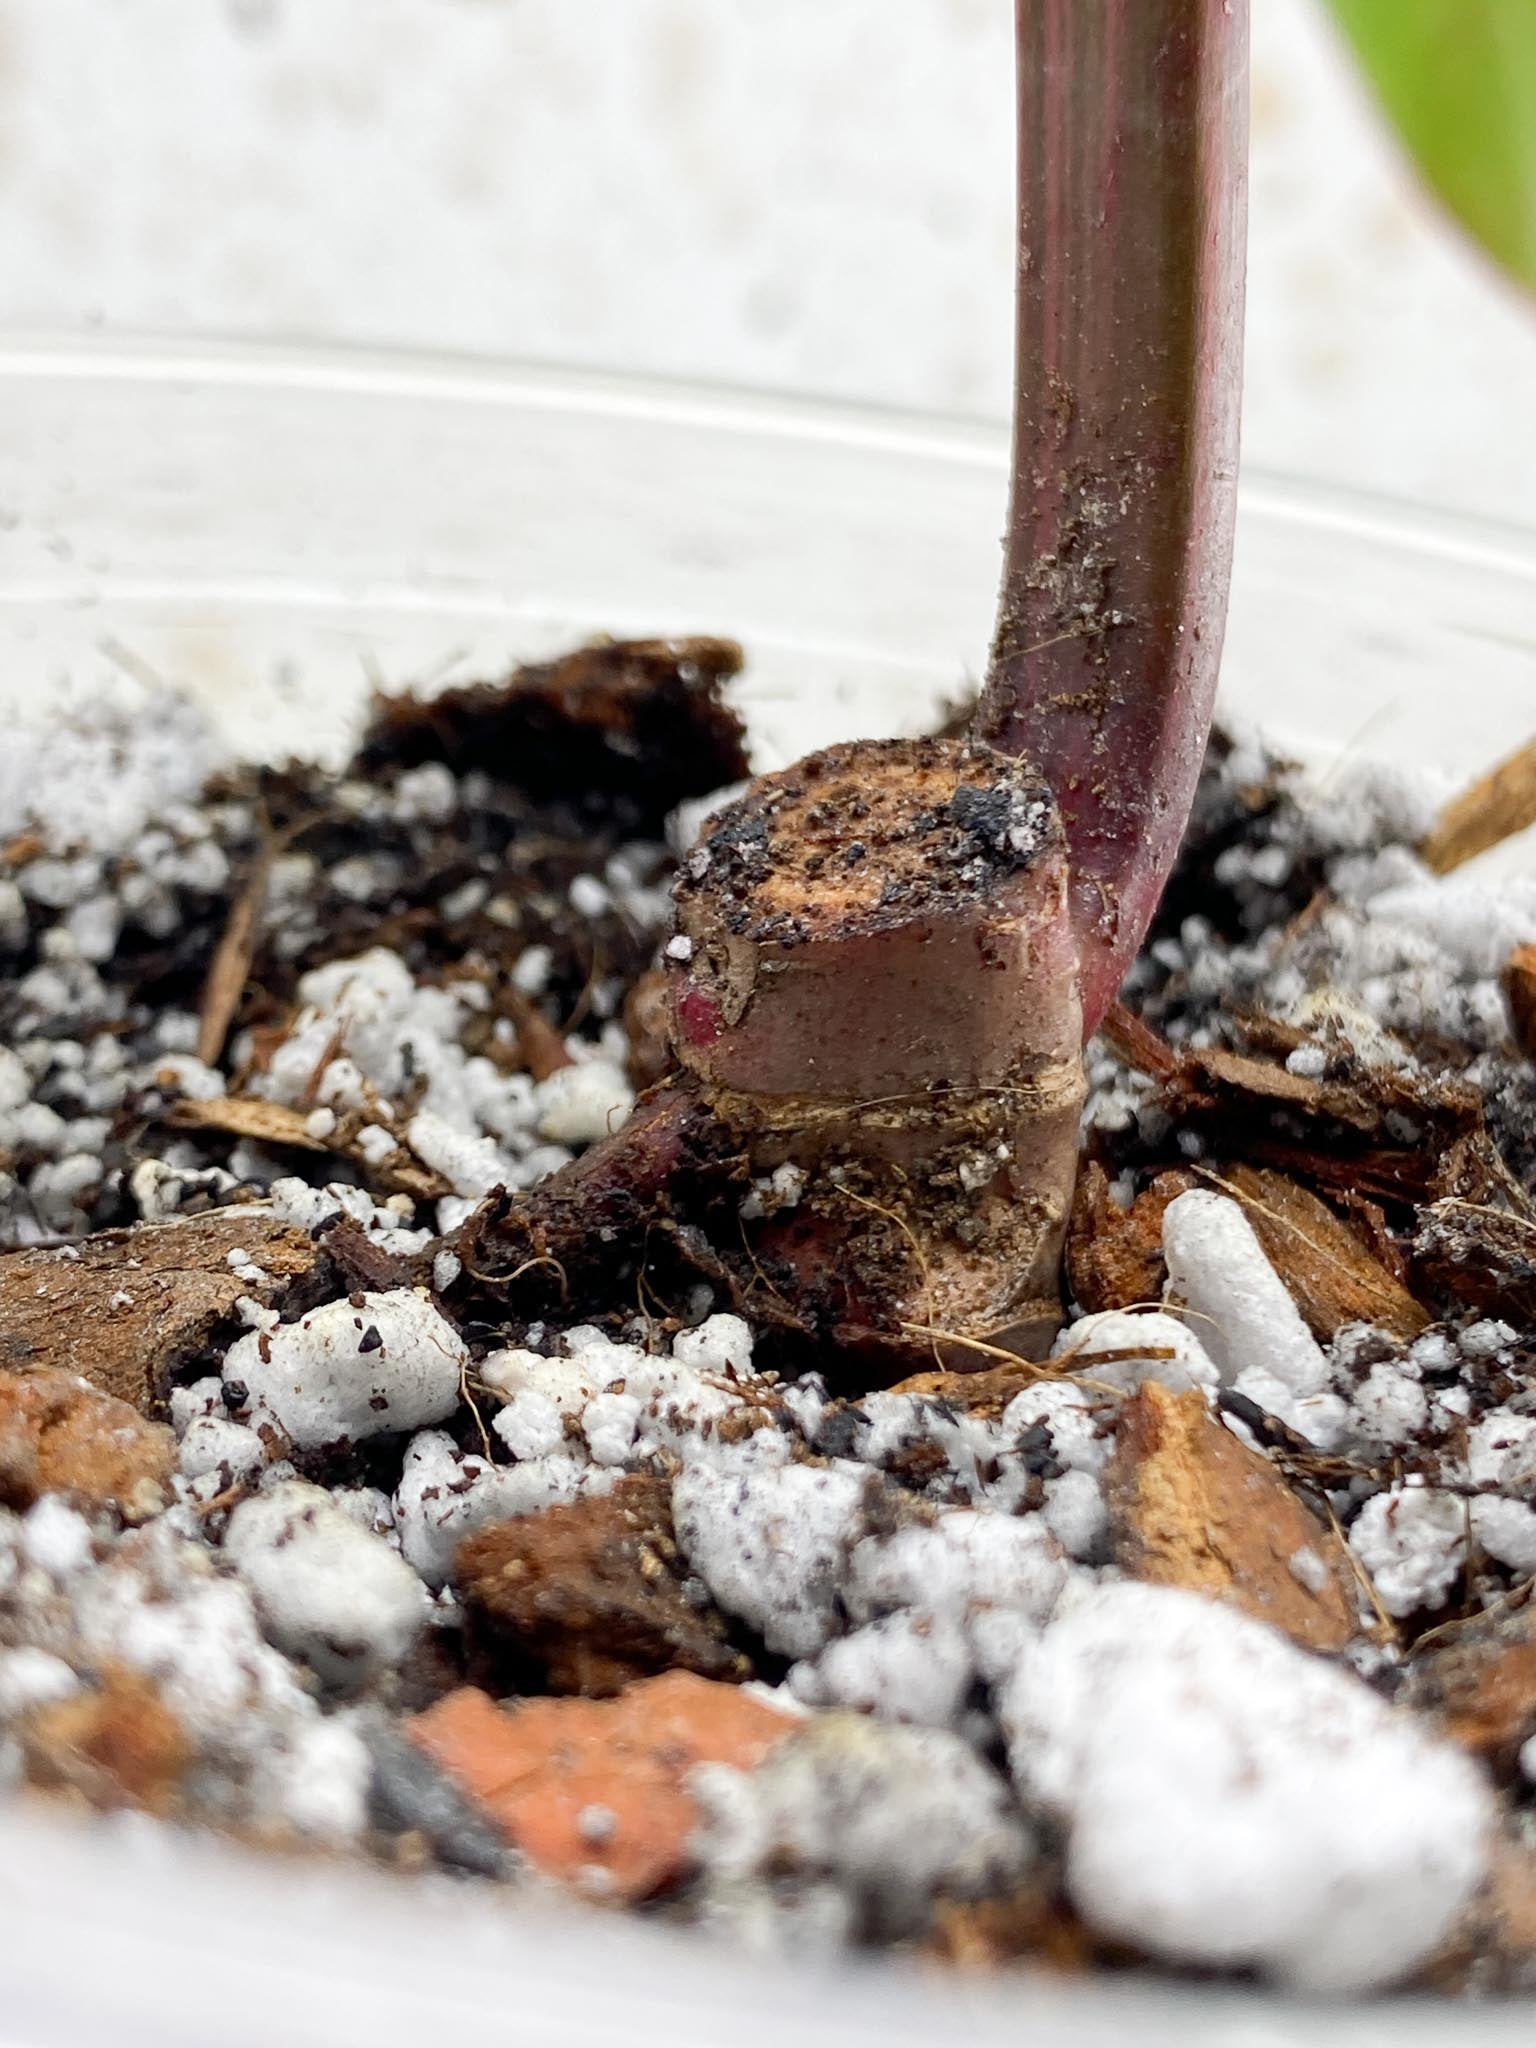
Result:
1133,122
880,987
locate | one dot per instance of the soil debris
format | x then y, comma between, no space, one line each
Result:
589,1596
641,719
496,1383
1479,1257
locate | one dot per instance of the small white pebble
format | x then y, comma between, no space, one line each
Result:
903,1667
33,1678
1389,1407
1308,1569
1141,1337
376,1144
317,1780
770,1543
891,1814
589,896
1076,1515
215,1443
967,1560
530,1425
1308,1062
609,1423
720,1344
203,1397
530,971
1486,1339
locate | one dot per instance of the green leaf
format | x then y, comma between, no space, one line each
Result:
1459,79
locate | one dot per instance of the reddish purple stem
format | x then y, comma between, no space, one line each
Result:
1133,129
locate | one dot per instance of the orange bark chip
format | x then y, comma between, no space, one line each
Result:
594,1792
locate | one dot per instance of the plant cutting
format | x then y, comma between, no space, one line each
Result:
481,1286
889,955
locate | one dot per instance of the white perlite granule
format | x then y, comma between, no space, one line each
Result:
770,1542
889,1815
1248,1324
1412,1542
1230,1800
1247,1319
98,778
327,1590
343,1373
903,1667
1137,1338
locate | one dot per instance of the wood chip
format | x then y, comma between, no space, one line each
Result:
1331,1276
1115,1255
1479,1681
230,967
1493,1950
1380,1132
60,1435
590,1595
275,1123
988,1391
1220,1074
23,849
1497,806
126,1308
541,1048
1034,1924
120,1745
246,1116
1520,994
1190,1506
1138,1044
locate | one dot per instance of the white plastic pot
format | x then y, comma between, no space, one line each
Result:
271,532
